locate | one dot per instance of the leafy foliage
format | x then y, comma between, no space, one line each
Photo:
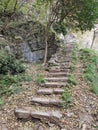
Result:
74,56
67,99
10,84
7,7
80,14
90,60
60,28
8,64
10,7
88,14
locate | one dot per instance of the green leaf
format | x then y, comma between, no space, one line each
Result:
1,102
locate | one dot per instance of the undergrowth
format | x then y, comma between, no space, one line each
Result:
10,84
71,80
67,96
74,56
90,73
40,79
12,73
9,64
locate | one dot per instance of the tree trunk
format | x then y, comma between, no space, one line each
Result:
93,39
46,48
46,42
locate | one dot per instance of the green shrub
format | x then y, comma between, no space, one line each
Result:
40,79
72,67
8,64
27,78
90,61
66,96
10,84
74,56
72,80
94,85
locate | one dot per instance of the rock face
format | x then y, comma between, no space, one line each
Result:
29,41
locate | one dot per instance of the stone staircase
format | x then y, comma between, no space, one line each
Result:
49,93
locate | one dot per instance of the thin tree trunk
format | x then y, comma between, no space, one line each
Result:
93,39
46,44
46,50
51,20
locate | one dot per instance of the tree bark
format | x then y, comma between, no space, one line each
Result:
46,44
93,39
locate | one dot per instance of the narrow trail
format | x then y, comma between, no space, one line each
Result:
84,114
49,94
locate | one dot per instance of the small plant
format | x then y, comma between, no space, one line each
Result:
71,80
74,56
66,96
72,67
40,79
1,102
15,89
27,78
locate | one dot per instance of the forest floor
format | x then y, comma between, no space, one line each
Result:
82,115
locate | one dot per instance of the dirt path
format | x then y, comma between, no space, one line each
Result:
84,114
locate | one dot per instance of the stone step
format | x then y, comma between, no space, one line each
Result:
64,56
48,91
62,61
65,59
67,66
54,79
46,101
48,116
53,84
52,61
59,66
57,74
59,70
